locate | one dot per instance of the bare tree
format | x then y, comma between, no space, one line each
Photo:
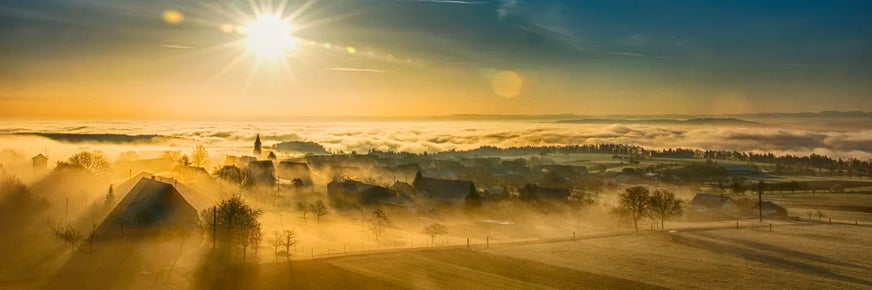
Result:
378,220
434,230
820,215
319,209
276,242
172,155
199,156
664,206
634,201
303,208
67,234
290,239
252,236
92,161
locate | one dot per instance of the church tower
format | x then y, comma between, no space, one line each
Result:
257,150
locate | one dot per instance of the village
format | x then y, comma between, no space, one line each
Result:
294,205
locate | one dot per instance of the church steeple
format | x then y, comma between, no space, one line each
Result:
257,150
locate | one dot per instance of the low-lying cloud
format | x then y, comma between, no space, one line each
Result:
444,135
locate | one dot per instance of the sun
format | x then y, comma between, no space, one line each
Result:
269,37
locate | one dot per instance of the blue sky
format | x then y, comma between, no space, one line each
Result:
589,57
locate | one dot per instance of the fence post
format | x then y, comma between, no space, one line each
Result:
737,225
573,236
831,220
770,227
487,242
467,243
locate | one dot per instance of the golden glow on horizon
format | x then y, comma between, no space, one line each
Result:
269,37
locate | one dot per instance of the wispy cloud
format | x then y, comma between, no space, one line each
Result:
176,46
633,54
352,69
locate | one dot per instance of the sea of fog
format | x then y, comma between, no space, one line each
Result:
63,138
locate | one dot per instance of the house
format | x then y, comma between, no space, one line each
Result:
262,172
349,193
771,210
191,172
704,203
245,160
403,188
290,170
532,192
150,206
453,192
40,164
230,160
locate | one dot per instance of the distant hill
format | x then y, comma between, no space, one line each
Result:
305,147
696,121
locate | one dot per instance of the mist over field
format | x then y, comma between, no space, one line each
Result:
435,144
843,137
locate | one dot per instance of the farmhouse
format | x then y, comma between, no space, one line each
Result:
532,192
713,205
349,193
149,207
262,172
290,170
772,210
453,192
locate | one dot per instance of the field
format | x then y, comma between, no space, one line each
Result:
841,207
792,256
705,255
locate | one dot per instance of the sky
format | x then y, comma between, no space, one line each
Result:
156,59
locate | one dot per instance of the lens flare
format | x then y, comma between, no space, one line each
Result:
508,84
173,17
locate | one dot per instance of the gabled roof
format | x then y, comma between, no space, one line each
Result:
150,203
768,205
261,164
709,200
39,156
443,189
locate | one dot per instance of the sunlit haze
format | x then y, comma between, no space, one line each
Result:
435,144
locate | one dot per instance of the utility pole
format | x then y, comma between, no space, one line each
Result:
760,201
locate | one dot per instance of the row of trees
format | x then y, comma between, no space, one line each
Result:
638,202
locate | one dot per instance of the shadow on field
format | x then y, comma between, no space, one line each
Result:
309,274
758,252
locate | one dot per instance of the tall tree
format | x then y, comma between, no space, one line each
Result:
634,201
232,222
303,208
664,206
67,234
378,221
434,230
319,209
199,156
92,161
